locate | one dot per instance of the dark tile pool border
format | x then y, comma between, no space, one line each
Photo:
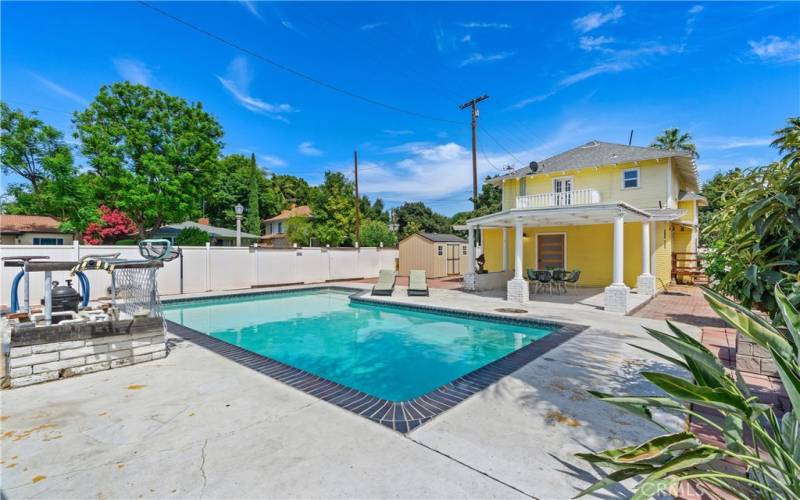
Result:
401,416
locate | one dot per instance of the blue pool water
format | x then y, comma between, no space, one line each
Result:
389,353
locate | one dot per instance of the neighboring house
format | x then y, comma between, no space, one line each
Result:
275,227
220,236
616,212
437,254
32,230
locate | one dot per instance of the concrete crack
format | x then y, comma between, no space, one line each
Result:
202,467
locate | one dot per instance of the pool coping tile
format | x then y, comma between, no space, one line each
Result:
401,416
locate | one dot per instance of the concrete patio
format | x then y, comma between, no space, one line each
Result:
198,425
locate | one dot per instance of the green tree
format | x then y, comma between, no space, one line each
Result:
375,232
424,218
333,206
490,200
718,191
373,211
192,237
299,230
156,155
675,140
252,221
28,146
788,141
291,189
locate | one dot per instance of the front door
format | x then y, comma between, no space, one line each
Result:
562,188
550,251
453,259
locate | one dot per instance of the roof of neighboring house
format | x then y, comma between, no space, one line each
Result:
301,211
28,224
442,238
596,154
701,200
219,232
273,236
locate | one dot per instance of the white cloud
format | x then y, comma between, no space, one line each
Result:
395,133
734,142
690,21
58,89
485,58
251,7
238,82
776,49
696,9
273,161
531,100
500,26
466,38
307,148
134,71
590,43
594,20
598,69
371,26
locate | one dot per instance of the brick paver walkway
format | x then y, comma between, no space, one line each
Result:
682,303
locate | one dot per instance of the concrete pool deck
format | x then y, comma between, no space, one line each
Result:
198,425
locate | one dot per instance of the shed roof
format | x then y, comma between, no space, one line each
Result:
442,238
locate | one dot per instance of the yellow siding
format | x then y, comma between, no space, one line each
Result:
682,241
663,251
606,180
589,248
689,206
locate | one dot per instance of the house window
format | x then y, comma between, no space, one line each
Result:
440,249
464,250
630,178
523,187
48,241
280,227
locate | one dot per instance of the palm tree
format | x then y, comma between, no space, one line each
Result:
674,140
788,140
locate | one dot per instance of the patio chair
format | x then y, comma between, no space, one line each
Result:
559,279
385,284
544,279
417,283
533,279
573,278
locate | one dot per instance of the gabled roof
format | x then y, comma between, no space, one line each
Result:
28,224
442,238
700,199
597,154
219,232
301,211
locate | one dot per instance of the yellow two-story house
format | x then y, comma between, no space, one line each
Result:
615,212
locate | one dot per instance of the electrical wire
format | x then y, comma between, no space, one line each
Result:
291,70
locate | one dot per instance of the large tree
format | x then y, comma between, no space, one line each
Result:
28,146
788,141
675,140
252,221
156,155
333,209
416,216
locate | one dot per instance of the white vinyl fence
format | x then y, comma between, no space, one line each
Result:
210,268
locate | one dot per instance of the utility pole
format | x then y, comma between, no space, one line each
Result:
358,201
474,105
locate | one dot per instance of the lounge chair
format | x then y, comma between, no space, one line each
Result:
417,283
385,284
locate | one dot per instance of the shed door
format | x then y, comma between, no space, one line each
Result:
453,259
550,251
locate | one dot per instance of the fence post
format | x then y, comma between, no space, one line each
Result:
208,266
76,249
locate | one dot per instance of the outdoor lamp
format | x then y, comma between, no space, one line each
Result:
239,209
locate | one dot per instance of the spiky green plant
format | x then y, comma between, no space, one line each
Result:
772,454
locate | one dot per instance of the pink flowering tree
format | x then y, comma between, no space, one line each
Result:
113,225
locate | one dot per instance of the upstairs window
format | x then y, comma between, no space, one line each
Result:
630,178
523,186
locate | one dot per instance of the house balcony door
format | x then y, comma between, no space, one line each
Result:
562,191
453,259
551,251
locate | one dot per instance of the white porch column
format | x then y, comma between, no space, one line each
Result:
646,282
616,294
470,277
505,249
517,289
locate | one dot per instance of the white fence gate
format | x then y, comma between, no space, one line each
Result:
211,268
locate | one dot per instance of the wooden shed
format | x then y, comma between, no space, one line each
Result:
438,254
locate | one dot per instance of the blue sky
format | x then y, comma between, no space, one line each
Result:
559,75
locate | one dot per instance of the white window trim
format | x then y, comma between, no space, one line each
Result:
570,178
523,181
536,248
638,178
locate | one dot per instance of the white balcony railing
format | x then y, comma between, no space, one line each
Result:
564,198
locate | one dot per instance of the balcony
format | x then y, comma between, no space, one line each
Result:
562,199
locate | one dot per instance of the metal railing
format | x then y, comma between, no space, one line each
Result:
564,198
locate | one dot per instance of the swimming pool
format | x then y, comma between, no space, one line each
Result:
385,352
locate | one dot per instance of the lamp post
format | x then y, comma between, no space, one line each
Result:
239,209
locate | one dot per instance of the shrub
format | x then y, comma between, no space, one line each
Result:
127,241
375,232
192,237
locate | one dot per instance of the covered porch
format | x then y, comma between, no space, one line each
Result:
591,238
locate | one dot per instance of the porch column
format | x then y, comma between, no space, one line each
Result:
470,278
616,294
517,288
505,249
646,282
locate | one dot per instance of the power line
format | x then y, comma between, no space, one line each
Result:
501,146
293,71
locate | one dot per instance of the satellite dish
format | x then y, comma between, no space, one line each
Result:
534,167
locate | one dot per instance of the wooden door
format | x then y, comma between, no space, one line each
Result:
550,251
453,259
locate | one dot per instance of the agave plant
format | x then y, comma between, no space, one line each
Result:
770,456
